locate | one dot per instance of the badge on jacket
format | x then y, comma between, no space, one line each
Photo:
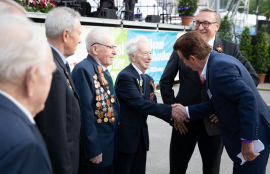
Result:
152,96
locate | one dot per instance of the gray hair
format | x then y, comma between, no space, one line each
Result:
7,7
131,45
216,14
96,35
60,19
20,50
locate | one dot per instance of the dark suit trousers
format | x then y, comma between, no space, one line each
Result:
129,5
182,147
96,170
132,163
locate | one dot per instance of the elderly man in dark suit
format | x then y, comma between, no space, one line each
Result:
232,95
192,91
60,121
136,93
25,80
100,106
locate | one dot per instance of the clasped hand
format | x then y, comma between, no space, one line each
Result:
97,159
179,112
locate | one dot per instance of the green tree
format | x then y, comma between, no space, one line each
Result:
263,6
225,30
245,44
260,60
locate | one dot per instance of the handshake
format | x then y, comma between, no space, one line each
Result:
179,112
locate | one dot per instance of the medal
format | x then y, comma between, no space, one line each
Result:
98,98
152,96
103,103
104,109
108,102
99,120
153,85
105,119
110,120
101,90
102,96
101,115
109,114
96,84
113,119
96,112
109,92
106,95
69,84
98,105
95,77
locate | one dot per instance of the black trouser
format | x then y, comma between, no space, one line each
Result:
129,5
182,147
132,163
96,170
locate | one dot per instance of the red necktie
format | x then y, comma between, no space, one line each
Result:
202,78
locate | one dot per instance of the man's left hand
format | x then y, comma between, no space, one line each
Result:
248,151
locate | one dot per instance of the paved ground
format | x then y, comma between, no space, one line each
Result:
160,134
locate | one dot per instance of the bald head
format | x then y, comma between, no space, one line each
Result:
11,7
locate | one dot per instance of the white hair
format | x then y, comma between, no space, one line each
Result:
96,35
60,19
7,7
131,45
20,50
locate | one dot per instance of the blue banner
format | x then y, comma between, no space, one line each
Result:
162,48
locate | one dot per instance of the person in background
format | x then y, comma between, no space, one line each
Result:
60,121
11,7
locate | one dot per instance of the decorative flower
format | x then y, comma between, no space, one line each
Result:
51,6
220,48
41,2
44,5
28,2
41,7
50,1
34,2
54,3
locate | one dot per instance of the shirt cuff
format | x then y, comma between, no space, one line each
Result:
187,112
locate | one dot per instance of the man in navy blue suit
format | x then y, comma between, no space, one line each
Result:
135,91
232,95
99,104
25,80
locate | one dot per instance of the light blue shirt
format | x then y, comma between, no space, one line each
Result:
60,54
103,67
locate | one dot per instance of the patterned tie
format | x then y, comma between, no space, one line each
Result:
110,81
68,68
144,81
202,78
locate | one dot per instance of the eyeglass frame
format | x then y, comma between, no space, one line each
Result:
111,47
201,23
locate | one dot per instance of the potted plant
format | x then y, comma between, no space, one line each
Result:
225,30
186,9
43,6
245,44
260,60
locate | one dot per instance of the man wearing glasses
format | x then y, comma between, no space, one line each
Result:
192,91
99,104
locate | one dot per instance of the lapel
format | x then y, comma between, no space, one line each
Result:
216,43
135,74
95,64
61,63
212,55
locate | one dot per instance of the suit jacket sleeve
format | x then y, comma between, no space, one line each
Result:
52,123
200,111
167,79
229,83
22,159
128,91
237,54
89,136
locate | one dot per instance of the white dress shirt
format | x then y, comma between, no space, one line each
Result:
138,70
20,106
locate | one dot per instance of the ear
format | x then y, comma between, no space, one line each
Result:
193,59
31,80
132,57
95,49
65,36
218,25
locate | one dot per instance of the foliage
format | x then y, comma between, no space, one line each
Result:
187,7
225,30
263,6
267,14
260,60
245,44
43,6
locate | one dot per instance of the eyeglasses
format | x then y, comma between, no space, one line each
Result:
111,47
204,24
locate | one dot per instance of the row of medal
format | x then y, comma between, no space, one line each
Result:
104,106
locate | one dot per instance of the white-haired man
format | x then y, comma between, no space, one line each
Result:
9,6
25,80
193,91
135,91
100,106
60,121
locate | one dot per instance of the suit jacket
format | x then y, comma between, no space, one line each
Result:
135,109
60,121
22,149
233,96
191,90
96,137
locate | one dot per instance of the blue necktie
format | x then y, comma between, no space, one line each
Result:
110,81
144,82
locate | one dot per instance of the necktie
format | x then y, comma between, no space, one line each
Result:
110,81
68,68
202,78
144,81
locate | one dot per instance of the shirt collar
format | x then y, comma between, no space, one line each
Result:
203,74
211,42
20,106
137,69
60,54
103,67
